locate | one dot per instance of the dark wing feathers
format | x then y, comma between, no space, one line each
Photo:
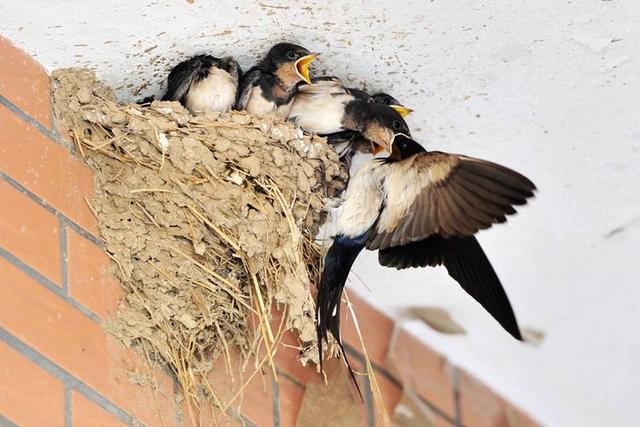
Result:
500,175
452,196
183,75
467,263
428,252
249,80
342,137
337,264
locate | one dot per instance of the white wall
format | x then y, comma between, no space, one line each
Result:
549,88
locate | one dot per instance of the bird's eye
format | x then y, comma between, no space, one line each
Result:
292,55
397,125
386,100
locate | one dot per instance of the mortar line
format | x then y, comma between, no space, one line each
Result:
179,418
379,369
76,227
371,413
55,130
28,119
55,289
67,378
368,394
290,378
238,416
67,406
64,257
275,401
455,374
6,422
247,422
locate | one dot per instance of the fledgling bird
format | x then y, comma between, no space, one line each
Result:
323,108
347,143
386,99
327,108
270,86
419,208
319,107
204,84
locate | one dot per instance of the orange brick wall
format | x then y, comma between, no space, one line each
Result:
58,367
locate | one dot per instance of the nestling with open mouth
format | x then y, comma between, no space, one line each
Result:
270,86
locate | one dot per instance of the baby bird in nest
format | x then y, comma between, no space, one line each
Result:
270,86
204,84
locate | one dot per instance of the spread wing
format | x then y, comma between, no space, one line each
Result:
183,75
446,194
249,81
467,263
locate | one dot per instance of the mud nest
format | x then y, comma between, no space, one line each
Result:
210,221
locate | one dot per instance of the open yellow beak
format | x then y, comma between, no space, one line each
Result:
302,66
403,111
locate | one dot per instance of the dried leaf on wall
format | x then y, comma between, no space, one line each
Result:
438,319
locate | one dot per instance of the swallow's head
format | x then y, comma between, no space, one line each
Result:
381,125
386,99
289,62
403,146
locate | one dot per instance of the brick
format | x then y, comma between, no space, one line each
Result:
333,404
291,395
46,169
91,279
30,233
24,82
424,370
29,396
481,407
255,399
376,328
288,349
207,414
439,421
86,413
81,347
412,411
287,359
391,395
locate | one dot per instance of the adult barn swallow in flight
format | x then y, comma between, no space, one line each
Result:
204,84
419,208
271,85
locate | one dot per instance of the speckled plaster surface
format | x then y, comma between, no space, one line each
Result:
549,88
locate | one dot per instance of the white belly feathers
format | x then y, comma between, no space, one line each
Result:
260,106
319,112
217,92
363,199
